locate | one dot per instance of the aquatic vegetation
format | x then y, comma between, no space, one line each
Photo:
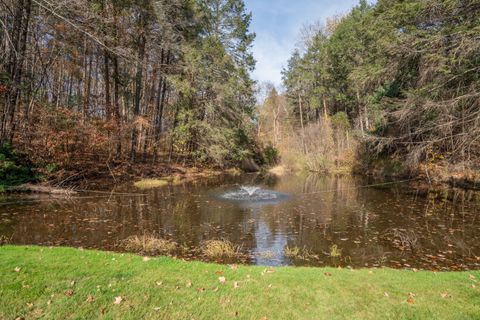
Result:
151,183
267,254
149,244
299,253
291,252
335,252
402,239
215,249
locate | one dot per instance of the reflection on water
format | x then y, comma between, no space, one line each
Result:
369,226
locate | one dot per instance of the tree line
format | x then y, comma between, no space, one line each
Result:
124,80
406,74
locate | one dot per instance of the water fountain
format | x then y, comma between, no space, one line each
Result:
250,190
253,194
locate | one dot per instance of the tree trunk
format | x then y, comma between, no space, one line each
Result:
19,39
304,146
138,84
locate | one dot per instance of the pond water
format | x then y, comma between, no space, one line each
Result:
311,220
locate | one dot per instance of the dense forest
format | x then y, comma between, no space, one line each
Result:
96,83
402,77
93,85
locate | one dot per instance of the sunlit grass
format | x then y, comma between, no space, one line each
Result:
65,283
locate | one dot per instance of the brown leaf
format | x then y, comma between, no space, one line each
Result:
90,298
201,290
410,300
69,292
234,267
218,272
118,300
445,295
328,274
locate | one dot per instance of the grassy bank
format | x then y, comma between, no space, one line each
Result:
64,283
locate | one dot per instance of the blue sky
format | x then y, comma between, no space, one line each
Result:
277,24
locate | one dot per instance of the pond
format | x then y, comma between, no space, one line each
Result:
310,220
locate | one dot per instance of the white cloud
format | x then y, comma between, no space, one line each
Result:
271,55
277,24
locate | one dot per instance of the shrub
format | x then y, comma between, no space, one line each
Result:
12,170
270,155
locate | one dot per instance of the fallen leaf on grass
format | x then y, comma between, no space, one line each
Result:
233,267
201,290
189,284
159,283
157,309
235,285
218,272
90,298
17,269
118,300
328,274
222,280
145,259
215,289
445,295
69,292
37,313
386,294
472,277
410,299
267,271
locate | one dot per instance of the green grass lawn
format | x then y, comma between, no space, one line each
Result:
65,283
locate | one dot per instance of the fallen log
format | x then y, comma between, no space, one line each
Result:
31,188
